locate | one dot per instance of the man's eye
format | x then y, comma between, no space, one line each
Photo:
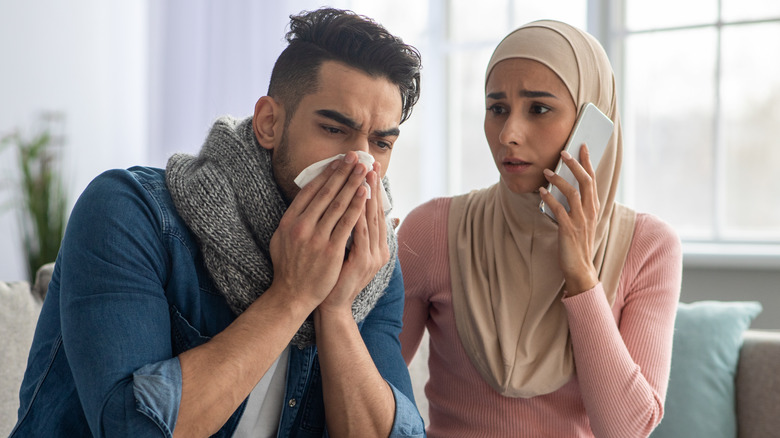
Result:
332,130
384,144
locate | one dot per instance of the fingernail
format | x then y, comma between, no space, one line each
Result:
542,190
359,169
548,172
566,155
350,158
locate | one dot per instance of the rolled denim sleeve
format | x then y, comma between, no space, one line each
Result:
154,386
380,331
115,316
407,422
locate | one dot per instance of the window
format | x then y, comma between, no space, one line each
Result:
701,106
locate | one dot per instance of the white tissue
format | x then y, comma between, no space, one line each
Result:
315,169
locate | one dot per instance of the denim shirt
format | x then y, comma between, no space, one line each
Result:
130,292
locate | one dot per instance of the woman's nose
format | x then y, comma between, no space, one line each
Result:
512,131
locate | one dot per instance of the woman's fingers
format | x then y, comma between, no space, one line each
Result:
576,232
580,199
587,181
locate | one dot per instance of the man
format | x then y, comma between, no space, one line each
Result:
218,298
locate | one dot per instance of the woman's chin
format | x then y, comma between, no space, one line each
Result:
521,187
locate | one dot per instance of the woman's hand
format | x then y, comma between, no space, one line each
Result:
576,228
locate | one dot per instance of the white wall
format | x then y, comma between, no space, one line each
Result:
87,59
136,80
736,284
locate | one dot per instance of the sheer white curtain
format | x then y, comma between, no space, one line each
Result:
136,81
85,59
209,59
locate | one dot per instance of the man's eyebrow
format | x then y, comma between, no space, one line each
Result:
340,118
351,124
523,93
392,132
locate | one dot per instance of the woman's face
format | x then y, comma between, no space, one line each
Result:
529,116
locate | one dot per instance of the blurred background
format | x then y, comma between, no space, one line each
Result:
120,83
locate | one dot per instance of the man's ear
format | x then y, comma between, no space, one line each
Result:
268,122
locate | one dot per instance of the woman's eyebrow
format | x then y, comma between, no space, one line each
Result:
531,93
523,93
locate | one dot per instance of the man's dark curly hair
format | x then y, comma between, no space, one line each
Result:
344,36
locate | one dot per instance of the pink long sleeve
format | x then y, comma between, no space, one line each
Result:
622,354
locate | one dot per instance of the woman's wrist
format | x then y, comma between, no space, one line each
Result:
576,285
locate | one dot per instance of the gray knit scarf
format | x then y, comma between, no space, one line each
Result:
229,199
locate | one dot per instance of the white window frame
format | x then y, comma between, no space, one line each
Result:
606,21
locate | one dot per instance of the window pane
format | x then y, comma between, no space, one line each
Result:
750,9
644,14
407,171
750,93
573,12
395,16
668,127
486,20
471,162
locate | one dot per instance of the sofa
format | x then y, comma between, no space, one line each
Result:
725,377
758,385
751,388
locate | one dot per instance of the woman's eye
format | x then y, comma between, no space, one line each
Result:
497,109
539,109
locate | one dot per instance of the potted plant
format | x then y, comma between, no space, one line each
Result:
39,196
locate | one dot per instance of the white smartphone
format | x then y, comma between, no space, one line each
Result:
592,128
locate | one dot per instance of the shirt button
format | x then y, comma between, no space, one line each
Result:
291,403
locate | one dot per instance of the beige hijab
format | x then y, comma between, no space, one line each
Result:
506,282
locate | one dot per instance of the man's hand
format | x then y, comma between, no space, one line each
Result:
358,401
308,247
369,252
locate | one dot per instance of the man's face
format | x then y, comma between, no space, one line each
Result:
351,111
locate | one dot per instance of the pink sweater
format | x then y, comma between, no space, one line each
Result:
622,354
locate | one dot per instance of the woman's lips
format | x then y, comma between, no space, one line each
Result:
516,166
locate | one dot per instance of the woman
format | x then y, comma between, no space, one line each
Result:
537,328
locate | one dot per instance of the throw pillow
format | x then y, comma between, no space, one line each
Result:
700,401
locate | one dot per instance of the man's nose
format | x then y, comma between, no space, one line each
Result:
360,143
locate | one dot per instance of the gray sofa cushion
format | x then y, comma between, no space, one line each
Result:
42,279
758,385
19,311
